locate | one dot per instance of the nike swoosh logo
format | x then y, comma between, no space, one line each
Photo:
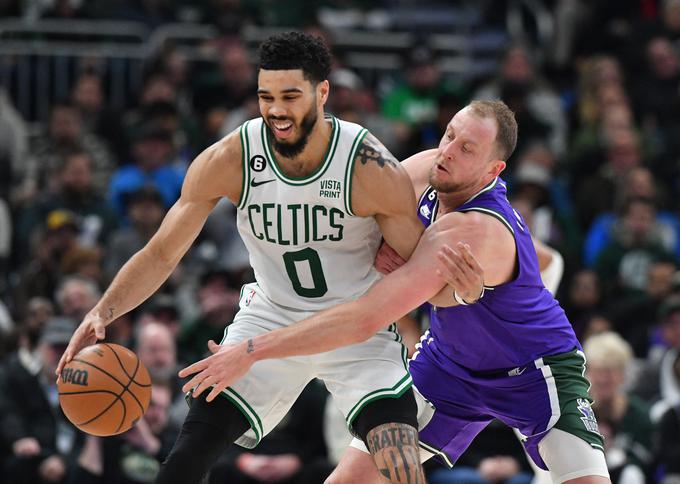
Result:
254,183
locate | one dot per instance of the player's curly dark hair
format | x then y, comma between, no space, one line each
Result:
296,50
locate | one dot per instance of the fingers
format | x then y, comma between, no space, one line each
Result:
195,368
381,268
460,270
217,389
388,260
460,262
99,331
451,267
213,347
394,257
207,382
60,365
193,383
470,258
65,358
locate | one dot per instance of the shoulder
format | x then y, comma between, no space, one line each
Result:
462,220
378,179
217,171
372,154
477,227
491,243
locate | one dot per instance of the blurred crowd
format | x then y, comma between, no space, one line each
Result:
596,174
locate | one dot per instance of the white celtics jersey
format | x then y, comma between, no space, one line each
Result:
307,248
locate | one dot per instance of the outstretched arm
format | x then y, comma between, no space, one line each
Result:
143,274
350,323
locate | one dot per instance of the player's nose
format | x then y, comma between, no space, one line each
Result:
448,152
277,111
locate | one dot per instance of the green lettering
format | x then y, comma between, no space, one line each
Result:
315,234
266,222
340,214
279,226
318,279
294,209
306,210
255,208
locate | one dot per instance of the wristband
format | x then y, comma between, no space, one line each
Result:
462,301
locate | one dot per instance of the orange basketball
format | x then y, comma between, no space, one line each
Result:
104,389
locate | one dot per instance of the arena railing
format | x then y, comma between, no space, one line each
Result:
38,60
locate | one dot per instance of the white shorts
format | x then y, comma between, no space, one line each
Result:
354,375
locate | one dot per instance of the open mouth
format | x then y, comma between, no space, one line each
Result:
281,128
441,169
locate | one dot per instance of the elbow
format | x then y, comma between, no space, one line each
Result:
159,257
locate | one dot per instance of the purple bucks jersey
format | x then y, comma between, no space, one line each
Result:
514,323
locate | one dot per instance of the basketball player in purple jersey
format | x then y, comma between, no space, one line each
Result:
509,353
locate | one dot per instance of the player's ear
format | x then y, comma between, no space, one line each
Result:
497,166
322,90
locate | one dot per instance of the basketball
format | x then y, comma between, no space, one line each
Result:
104,389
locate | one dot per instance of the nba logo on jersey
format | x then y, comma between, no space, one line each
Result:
249,298
425,210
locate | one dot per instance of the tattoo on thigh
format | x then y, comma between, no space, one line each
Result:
394,447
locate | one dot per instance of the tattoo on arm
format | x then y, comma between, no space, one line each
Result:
371,149
111,309
394,447
250,347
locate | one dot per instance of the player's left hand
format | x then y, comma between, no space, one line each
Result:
227,364
461,271
387,260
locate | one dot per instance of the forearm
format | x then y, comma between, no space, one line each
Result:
340,326
136,281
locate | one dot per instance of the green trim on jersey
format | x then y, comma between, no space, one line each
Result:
397,337
320,170
247,411
350,170
395,392
245,160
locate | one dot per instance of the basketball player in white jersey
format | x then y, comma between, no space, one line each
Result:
315,195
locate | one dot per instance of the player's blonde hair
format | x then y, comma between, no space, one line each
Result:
506,137
608,349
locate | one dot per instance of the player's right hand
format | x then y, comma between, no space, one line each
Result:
88,333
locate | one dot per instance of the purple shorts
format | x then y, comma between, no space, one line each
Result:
532,398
